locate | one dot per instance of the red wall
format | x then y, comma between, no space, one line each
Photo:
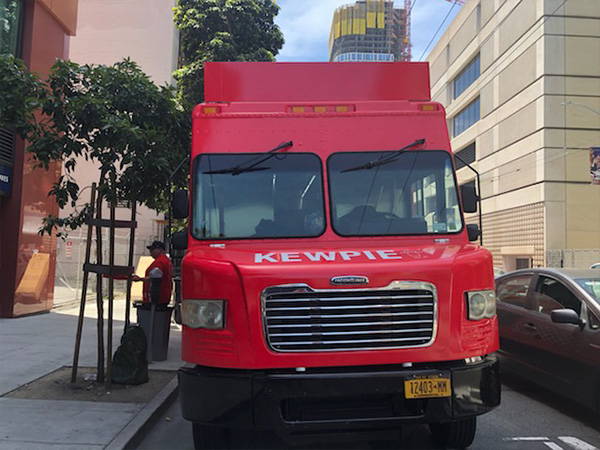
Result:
44,40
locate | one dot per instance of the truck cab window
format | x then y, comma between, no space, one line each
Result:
281,198
413,194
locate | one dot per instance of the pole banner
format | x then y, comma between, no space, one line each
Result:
5,180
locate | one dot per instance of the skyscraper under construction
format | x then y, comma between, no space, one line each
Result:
370,30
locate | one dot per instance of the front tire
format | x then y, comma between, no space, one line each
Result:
459,434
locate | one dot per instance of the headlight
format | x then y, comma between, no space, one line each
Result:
203,314
481,305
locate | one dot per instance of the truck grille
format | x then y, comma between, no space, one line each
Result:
298,318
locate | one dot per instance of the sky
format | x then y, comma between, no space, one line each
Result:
306,23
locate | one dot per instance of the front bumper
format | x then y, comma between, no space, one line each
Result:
333,399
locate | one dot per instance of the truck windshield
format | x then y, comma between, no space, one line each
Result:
281,198
413,194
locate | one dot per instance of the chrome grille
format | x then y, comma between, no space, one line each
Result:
298,318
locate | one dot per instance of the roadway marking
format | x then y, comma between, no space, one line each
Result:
527,439
577,444
571,441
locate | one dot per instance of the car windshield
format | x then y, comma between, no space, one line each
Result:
591,286
415,193
282,197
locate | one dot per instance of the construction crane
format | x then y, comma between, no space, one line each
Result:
408,4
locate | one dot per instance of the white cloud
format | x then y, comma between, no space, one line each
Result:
306,24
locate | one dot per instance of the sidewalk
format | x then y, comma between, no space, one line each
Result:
34,346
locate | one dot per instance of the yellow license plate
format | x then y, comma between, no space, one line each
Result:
427,387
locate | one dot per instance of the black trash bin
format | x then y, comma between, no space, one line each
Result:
160,329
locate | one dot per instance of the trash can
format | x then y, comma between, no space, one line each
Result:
160,328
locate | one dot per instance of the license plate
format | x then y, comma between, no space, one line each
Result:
427,387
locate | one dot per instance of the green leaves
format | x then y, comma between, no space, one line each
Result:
221,30
114,115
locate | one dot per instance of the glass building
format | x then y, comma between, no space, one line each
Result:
369,30
10,32
37,32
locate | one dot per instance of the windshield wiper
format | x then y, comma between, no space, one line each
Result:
250,166
382,161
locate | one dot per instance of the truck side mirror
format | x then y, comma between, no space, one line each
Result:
179,204
469,197
179,240
473,232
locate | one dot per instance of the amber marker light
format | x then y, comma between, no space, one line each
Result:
300,109
428,107
210,110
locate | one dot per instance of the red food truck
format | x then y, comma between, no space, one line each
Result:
330,282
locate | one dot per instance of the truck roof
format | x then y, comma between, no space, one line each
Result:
321,82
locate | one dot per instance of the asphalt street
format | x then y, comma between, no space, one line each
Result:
530,418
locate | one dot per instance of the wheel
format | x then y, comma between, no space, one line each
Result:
459,434
207,437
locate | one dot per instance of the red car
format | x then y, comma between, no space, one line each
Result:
550,329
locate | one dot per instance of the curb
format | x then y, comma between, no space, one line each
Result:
129,436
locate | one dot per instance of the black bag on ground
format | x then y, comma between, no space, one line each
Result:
129,364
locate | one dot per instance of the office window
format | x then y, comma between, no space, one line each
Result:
466,77
10,20
466,154
467,117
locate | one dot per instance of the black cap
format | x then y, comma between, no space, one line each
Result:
157,244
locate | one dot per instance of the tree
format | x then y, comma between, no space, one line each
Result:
222,30
114,115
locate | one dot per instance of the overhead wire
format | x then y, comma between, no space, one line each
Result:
569,152
494,72
438,30
485,77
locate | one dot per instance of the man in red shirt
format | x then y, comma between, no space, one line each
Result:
160,268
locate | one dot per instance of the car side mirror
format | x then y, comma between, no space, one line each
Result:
565,316
179,240
473,232
469,198
179,204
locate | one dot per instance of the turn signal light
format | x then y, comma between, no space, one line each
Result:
210,110
428,107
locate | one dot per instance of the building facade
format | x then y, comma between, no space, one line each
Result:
144,31
36,31
520,80
369,30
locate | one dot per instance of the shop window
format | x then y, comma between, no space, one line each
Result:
523,263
